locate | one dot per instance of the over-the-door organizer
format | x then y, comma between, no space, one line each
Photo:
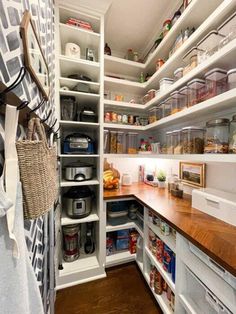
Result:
79,53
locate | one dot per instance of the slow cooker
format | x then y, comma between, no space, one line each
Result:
78,171
78,202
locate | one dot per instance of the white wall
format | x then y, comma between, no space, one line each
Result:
218,175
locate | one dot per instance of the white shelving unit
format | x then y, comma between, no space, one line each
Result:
65,183
167,239
65,220
119,258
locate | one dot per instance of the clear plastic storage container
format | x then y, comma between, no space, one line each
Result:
175,102
193,140
190,60
227,29
216,82
208,45
176,142
183,97
113,142
68,108
169,145
132,142
231,74
153,114
232,136
196,92
120,142
165,83
178,73
217,137
106,142
166,107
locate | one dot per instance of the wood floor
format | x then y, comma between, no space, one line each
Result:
124,291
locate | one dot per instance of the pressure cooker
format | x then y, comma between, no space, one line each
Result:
78,171
78,202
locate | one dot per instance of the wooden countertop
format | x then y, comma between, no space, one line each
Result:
216,238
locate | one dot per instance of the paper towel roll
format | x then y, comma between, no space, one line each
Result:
72,50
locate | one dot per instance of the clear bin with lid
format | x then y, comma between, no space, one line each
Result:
190,60
196,92
153,114
166,107
178,73
175,102
217,137
106,141
165,83
193,140
231,74
232,136
227,29
208,45
183,97
113,142
216,82
169,146
132,142
176,142
120,142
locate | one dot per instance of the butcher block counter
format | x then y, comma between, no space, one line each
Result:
216,238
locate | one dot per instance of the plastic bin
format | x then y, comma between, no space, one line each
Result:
169,145
193,140
117,218
231,78
113,142
106,141
165,83
120,143
228,29
183,97
216,82
190,60
132,142
139,253
175,102
196,92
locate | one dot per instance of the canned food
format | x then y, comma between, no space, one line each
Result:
130,119
125,119
119,118
114,117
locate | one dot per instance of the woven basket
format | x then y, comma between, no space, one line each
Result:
38,171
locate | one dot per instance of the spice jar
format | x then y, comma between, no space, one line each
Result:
216,82
169,145
114,117
192,140
217,137
166,27
120,142
113,142
183,97
176,142
231,78
175,102
159,64
196,92
232,136
132,143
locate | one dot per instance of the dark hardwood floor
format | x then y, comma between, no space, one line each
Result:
124,291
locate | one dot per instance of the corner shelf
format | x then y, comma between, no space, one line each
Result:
123,127
65,220
79,124
123,105
71,83
119,258
168,240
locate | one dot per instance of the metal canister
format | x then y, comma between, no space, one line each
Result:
71,242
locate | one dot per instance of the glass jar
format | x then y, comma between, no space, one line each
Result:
153,114
216,82
120,142
196,92
159,64
132,142
176,142
175,102
231,78
217,137
183,97
114,117
113,142
106,142
232,136
193,140
169,146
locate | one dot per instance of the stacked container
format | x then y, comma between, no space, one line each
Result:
216,82
193,140
132,143
196,92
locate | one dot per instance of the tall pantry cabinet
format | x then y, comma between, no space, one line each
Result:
88,266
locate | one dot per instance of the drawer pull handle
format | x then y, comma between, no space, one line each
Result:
212,201
220,270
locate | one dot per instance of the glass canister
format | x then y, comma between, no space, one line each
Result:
169,146
231,78
175,102
120,142
113,142
176,142
196,92
217,137
183,97
106,142
216,82
232,136
132,142
193,140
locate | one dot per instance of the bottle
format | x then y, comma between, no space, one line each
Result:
142,78
107,50
130,54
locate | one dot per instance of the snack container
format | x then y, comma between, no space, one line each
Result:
231,74
216,82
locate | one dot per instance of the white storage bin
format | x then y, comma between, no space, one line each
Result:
198,299
165,82
229,26
219,204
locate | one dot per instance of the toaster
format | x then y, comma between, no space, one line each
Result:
78,143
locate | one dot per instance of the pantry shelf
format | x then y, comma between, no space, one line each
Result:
65,220
128,225
161,299
158,265
140,265
80,125
71,83
65,183
123,127
78,155
124,86
89,98
119,258
168,240
123,105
